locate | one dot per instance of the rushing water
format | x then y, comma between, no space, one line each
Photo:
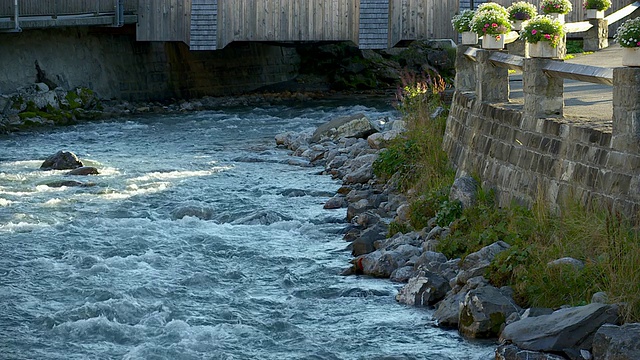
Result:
114,271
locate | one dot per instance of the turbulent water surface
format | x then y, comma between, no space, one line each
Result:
197,241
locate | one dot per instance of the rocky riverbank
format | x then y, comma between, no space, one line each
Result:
37,106
338,70
346,149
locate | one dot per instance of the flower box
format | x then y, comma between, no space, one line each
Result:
543,49
493,42
631,56
556,16
595,14
469,38
517,25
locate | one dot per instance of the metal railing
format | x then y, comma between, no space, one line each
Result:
17,10
55,8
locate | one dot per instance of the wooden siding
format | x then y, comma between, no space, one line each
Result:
164,20
374,24
288,20
428,19
395,22
204,25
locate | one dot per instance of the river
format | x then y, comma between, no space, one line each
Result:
116,271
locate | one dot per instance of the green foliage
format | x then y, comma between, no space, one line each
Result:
485,224
509,264
462,22
419,93
574,47
543,28
400,158
491,22
599,5
448,212
395,227
556,6
492,6
425,207
628,34
521,10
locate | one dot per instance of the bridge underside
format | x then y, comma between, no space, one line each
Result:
213,24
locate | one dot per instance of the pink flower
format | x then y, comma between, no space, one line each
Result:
494,25
547,36
638,43
486,25
498,37
534,31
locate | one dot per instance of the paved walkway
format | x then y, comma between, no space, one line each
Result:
583,101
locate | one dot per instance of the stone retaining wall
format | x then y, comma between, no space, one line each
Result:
111,62
551,159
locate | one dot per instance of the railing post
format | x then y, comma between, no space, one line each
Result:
492,84
16,8
626,109
597,37
465,79
543,95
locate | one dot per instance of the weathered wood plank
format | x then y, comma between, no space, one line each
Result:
164,20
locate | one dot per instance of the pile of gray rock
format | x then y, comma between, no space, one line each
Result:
462,298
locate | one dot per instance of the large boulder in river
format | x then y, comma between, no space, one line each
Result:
62,160
613,342
355,126
484,312
570,328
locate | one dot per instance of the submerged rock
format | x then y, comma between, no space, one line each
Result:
84,170
69,183
192,210
512,352
62,160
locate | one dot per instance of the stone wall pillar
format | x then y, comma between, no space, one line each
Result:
465,79
518,47
626,109
543,95
492,83
597,37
